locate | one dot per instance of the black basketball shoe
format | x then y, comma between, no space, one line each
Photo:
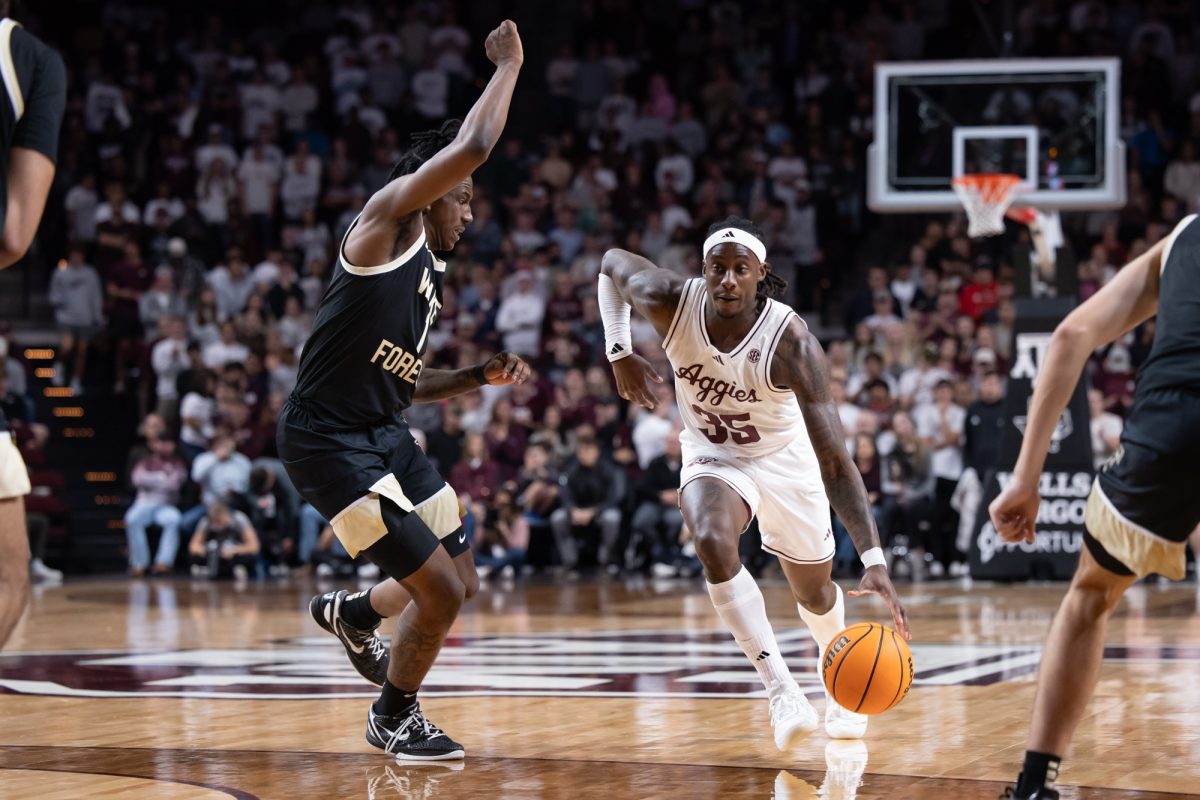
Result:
1040,794
411,737
367,652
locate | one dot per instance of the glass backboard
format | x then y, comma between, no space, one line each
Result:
1053,122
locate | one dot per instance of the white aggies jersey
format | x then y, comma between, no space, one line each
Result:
727,400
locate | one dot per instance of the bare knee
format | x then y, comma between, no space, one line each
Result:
1093,601
716,547
440,596
816,597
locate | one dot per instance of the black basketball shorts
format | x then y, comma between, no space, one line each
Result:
343,474
1146,501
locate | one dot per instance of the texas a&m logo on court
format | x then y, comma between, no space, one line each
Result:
659,664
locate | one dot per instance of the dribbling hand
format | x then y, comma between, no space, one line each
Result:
503,45
634,378
1014,512
505,368
877,581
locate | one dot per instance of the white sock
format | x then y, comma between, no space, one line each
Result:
823,627
740,605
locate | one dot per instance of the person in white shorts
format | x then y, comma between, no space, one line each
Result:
762,437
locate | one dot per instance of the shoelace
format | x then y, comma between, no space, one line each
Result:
417,719
367,639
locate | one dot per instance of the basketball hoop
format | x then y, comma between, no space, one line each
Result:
986,196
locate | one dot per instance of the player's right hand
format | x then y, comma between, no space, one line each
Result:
503,45
1014,512
635,379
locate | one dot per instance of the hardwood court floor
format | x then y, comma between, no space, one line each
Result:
175,689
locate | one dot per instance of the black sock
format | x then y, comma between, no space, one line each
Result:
1041,771
356,610
394,702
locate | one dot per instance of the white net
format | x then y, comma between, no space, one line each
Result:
986,197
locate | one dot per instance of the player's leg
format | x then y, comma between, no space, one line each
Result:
409,551
1194,541
717,515
1069,669
14,564
822,606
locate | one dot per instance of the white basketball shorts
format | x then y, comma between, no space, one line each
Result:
791,505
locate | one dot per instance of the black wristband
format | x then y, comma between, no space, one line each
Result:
480,376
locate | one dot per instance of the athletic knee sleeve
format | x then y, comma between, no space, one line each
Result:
407,544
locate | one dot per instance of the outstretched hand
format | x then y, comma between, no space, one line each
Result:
876,581
505,368
503,45
635,379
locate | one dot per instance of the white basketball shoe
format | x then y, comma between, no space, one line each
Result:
792,717
841,723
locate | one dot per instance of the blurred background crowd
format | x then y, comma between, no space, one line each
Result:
213,158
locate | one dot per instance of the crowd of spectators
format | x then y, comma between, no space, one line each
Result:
210,168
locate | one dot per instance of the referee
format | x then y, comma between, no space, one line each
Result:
31,110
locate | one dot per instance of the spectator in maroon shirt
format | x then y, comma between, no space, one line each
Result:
979,296
475,476
127,282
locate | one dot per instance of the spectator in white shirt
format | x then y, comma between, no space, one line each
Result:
431,90
519,318
674,170
228,350
169,358
232,284
160,301
216,149
1106,428
81,203
213,193
260,103
165,201
940,426
298,100
77,297
301,181
105,101
196,418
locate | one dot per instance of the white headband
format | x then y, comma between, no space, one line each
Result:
747,240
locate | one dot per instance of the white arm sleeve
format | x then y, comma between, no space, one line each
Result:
614,313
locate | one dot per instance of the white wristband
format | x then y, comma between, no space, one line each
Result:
614,313
874,558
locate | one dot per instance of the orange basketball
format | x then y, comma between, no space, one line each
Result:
868,668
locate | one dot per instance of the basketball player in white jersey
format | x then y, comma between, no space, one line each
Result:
762,437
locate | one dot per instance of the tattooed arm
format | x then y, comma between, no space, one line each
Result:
799,364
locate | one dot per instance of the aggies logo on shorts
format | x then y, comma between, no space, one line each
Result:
753,356
702,460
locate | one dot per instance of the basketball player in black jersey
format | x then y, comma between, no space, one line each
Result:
35,93
1144,502
342,436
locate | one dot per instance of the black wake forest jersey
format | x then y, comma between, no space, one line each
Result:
34,83
360,365
1174,361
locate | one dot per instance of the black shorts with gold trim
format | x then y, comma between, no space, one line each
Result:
1146,499
343,474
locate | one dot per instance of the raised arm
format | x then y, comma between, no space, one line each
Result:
479,133
629,280
799,364
1128,300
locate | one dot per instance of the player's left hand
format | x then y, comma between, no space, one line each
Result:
505,368
877,581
